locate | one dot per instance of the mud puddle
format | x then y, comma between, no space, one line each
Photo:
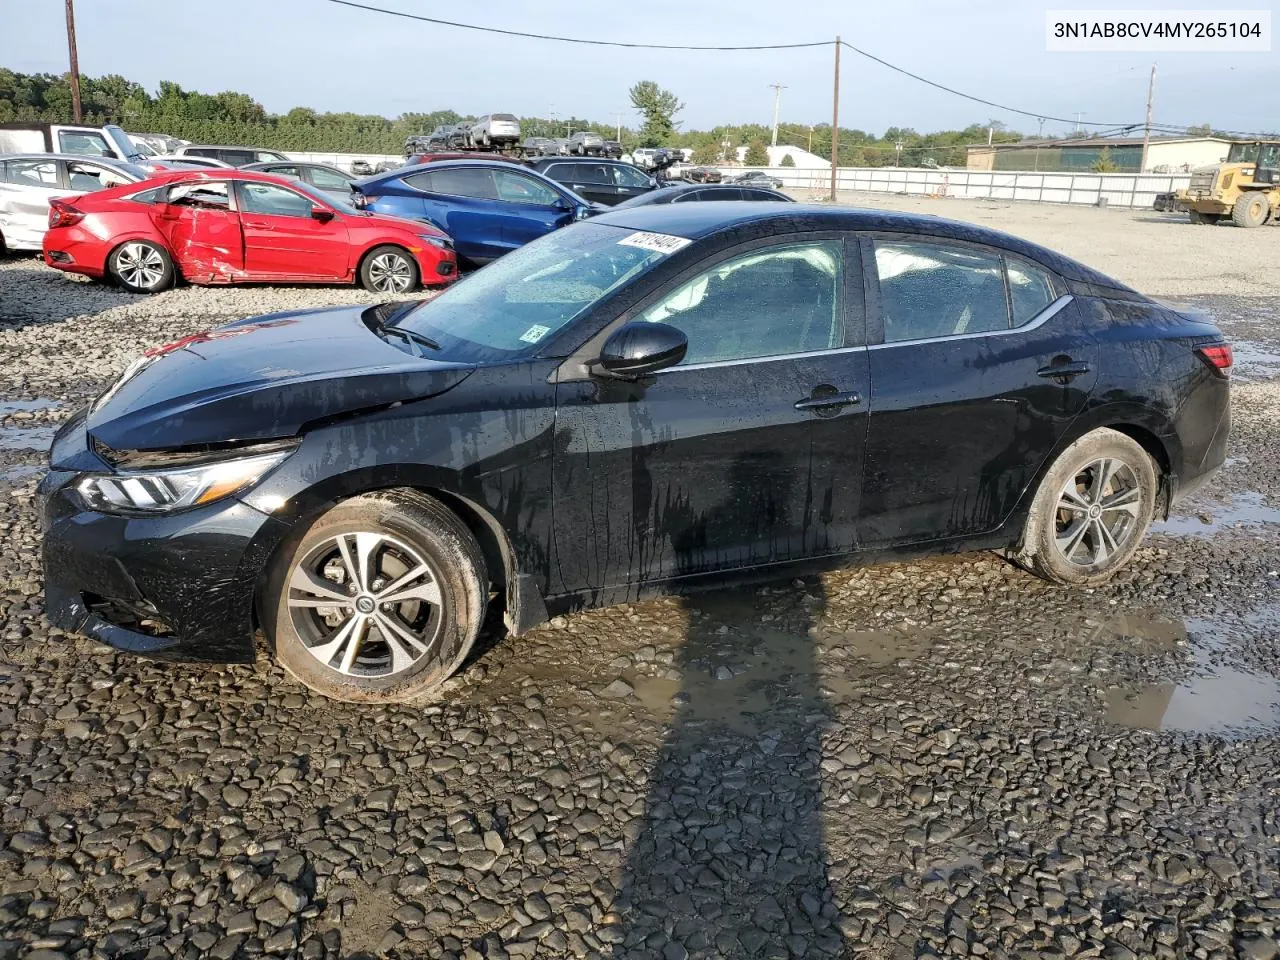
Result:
1217,699
10,407
1254,361
1248,509
26,438
18,473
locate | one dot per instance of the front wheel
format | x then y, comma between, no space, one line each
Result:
1091,511
1250,210
381,600
388,269
141,266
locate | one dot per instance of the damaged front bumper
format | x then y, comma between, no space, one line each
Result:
174,587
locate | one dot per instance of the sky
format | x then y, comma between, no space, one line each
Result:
316,53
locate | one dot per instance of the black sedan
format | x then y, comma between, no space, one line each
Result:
319,175
757,178
627,405
693,192
596,178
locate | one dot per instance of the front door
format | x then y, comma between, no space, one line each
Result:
533,209
983,363
747,454
283,239
202,230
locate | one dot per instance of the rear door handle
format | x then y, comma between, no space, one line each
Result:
831,401
1064,370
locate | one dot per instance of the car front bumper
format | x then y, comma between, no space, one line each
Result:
175,587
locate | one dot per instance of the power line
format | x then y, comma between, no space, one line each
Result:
593,43
990,103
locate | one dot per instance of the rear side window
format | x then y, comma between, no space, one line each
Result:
31,173
1030,290
201,195
328,178
239,158
266,156
930,290
458,183
281,171
90,177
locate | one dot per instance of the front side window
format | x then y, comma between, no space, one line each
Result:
89,177
32,173
767,303
282,171
516,188
84,144
266,156
934,290
269,200
625,176
593,173
328,179
238,158
202,195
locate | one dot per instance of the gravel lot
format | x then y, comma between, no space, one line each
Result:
938,758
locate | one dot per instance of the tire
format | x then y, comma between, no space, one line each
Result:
1072,537
1251,210
389,269
141,266
341,651
1196,217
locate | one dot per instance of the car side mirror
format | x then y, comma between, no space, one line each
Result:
636,349
563,204
323,214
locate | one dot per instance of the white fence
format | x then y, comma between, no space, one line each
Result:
1118,189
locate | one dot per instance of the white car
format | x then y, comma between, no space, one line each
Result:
28,181
495,130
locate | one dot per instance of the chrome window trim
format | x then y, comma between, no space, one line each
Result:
1038,320
831,351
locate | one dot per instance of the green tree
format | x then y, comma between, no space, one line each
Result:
659,107
756,156
1201,130
707,153
787,161
1104,163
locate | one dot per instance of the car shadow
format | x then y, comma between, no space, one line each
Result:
730,856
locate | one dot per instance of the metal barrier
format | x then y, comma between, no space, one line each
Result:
1118,189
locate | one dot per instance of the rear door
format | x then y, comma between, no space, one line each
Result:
283,239
463,202
979,362
202,229
26,187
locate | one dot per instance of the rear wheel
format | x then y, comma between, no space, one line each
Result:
141,266
1250,210
388,269
381,600
1092,510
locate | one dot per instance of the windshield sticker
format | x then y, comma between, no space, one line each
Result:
657,242
535,333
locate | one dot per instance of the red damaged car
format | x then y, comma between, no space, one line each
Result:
232,226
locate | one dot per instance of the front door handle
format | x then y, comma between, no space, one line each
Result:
1064,369
828,401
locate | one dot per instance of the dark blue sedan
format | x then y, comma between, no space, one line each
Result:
488,208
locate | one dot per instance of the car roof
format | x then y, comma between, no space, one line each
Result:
226,146
223,173
252,167
694,221
450,164
612,161
107,161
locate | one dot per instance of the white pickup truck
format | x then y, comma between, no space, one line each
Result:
109,141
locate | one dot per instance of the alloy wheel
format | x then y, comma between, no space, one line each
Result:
140,265
366,604
1098,511
390,273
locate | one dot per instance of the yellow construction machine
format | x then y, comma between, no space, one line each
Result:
1245,188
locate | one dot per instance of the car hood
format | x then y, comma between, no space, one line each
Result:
261,379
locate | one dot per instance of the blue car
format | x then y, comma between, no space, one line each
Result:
488,207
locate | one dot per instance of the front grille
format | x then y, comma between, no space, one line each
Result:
1201,182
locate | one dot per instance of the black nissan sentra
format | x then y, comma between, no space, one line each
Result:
657,398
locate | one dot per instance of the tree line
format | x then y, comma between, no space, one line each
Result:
234,117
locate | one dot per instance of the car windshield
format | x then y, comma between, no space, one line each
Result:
506,309
330,199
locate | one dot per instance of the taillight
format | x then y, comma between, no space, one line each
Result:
63,214
1218,356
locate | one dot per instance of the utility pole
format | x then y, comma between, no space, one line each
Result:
1079,114
835,122
1039,137
777,94
617,114
897,155
1146,130
75,64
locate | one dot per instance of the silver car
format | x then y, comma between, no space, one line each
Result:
495,130
28,181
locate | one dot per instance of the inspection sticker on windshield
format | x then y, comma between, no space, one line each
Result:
535,333
657,242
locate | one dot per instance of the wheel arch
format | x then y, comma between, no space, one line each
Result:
524,606
135,236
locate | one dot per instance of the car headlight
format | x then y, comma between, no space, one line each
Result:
178,488
444,243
